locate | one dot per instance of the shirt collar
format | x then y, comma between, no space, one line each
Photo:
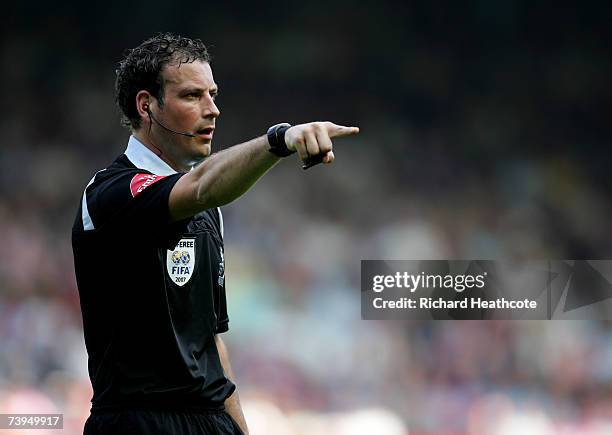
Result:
143,158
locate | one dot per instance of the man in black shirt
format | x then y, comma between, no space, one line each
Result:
148,247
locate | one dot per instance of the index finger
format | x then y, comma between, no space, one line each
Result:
335,130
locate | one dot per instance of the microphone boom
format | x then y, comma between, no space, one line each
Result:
166,128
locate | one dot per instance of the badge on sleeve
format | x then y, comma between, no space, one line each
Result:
141,181
221,280
181,261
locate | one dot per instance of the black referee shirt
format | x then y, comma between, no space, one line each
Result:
152,292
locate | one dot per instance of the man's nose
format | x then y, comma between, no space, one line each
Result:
210,109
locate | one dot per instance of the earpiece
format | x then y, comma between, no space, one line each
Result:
145,107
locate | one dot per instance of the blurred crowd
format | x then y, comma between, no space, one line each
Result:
484,136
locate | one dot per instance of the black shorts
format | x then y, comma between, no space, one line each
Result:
145,422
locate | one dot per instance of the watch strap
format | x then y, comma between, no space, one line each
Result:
276,139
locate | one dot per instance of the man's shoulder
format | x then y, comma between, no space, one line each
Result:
115,193
124,176
121,167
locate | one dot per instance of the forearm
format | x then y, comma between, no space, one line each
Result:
234,409
221,178
232,403
226,175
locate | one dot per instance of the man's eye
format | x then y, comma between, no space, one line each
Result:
192,96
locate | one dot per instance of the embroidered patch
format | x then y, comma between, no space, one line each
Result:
221,273
181,261
141,181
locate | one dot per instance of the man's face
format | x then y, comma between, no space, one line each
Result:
188,107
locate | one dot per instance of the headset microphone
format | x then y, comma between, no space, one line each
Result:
164,127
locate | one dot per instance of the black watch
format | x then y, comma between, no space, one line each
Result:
276,139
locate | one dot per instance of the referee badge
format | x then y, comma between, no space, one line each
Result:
181,261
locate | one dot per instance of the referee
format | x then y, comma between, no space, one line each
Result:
148,247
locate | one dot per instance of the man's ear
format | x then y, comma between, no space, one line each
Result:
143,103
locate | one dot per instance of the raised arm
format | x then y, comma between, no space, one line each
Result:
226,175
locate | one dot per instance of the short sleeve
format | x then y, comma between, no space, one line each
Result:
134,203
222,324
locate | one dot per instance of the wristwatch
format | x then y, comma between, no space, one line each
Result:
276,139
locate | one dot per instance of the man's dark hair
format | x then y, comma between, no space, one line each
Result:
141,67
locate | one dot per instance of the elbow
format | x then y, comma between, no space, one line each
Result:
209,195
204,196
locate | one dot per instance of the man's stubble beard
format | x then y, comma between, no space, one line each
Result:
171,145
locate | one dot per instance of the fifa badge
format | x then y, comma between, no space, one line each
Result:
181,261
